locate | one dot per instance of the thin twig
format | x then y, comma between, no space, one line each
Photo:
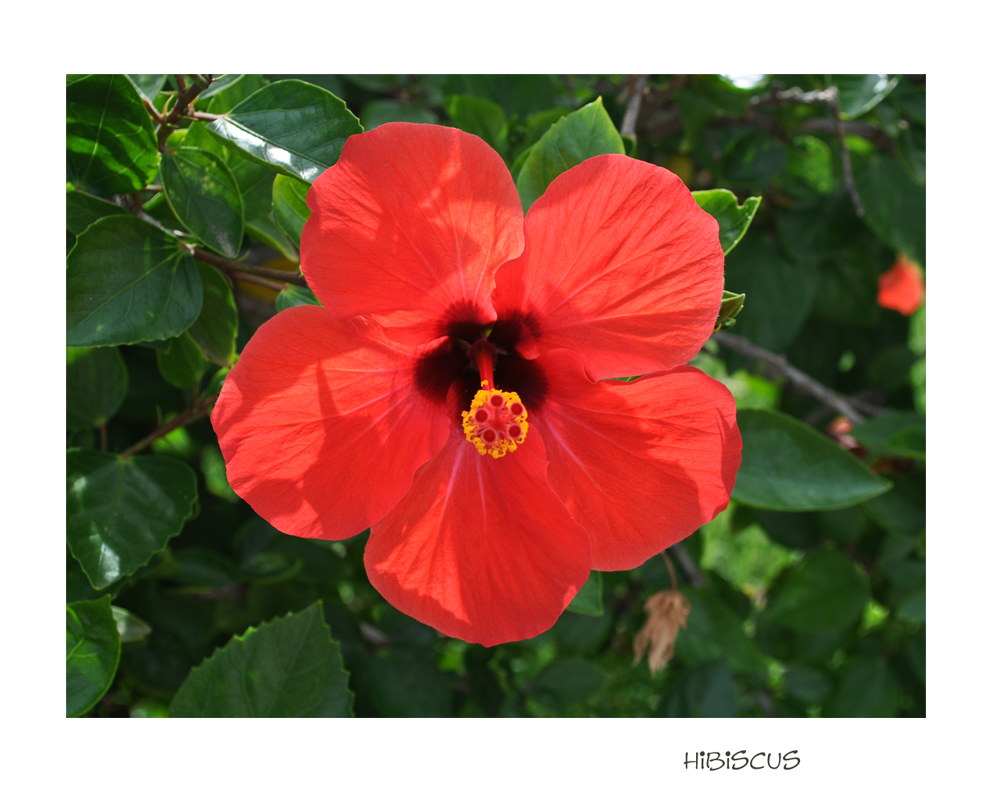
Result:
687,564
169,119
104,437
855,410
256,279
202,116
638,83
229,266
845,156
187,416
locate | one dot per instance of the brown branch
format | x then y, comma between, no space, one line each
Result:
169,119
187,416
854,409
694,575
229,266
638,89
845,155
255,279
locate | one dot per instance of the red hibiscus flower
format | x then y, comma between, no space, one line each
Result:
452,393
901,287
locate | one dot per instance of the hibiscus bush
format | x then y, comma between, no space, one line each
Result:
397,395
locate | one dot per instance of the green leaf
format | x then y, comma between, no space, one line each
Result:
589,600
733,219
379,112
130,627
290,209
807,684
110,146
576,137
568,680
293,295
128,281
96,383
895,434
866,688
405,682
202,192
82,210
753,157
182,363
289,667
215,329
826,590
119,512
148,85
730,306
289,126
224,94
781,293
859,94
480,117
788,466
706,691
895,206
715,631
92,652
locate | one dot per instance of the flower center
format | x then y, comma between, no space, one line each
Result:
496,422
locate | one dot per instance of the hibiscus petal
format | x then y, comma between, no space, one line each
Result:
480,548
410,225
619,264
640,465
321,423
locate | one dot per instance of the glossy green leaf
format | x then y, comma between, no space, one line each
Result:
896,434
203,194
223,95
866,688
293,295
215,329
788,466
590,599
290,209
895,206
480,117
733,219
128,281
110,146
289,667
130,627
82,210
96,382
859,94
182,363
119,512
93,649
827,590
780,293
289,126
148,85
576,137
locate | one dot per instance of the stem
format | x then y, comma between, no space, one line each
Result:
104,438
845,156
246,278
853,409
229,266
687,564
632,109
169,119
188,415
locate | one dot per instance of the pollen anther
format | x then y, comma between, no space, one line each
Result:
491,423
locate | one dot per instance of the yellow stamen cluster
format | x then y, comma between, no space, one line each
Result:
496,422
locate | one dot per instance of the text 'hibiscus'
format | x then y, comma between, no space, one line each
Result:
454,393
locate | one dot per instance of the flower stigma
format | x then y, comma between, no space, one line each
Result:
496,423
